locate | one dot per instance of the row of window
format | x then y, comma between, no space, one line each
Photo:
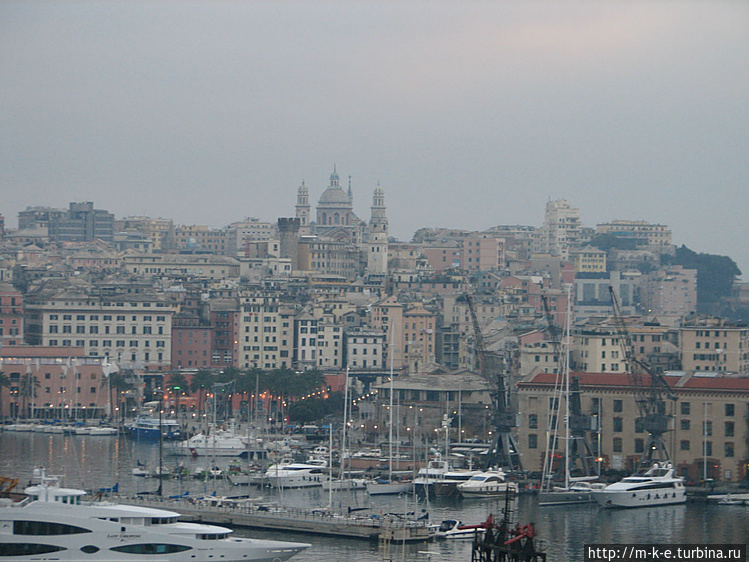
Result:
68,329
106,343
107,317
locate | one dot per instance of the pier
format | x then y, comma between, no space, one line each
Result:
272,518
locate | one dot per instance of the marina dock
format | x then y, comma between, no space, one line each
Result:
318,522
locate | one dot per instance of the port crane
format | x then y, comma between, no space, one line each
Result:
650,388
503,451
578,450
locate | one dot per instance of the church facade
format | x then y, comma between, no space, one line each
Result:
340,242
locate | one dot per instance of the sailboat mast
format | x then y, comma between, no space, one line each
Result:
567,394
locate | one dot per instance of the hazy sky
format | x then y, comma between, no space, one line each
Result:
469,114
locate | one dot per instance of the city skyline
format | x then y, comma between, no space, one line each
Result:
468,116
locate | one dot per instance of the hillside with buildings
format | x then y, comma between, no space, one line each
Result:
84,294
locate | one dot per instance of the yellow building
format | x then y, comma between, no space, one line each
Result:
708,428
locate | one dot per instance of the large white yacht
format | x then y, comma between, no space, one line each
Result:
656,486
288,474
54,523
487,484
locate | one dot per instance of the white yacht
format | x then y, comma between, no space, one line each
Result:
487,484
54,523
219,443
295,475
657,486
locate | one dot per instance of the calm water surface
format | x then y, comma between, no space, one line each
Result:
94,462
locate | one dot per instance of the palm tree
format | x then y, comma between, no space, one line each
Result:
4,382
27,389
118,383
177,384
200,383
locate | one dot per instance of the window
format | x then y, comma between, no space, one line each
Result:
707,428
684,445
728,450
46,528
729,410
708,448
685,408
639,445
617,445
532,441
617,406
150,548
618,425
533,421
728,429
685,425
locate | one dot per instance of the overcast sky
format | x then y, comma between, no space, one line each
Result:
469,114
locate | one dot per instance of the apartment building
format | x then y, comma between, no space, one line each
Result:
671,290
713,344
708,428
365,349
265,331
202,237
71,384
589,260
203,266
11,315
329,344
559,231
643,233
133,329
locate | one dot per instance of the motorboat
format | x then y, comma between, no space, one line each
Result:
447,485
219,443
455,529
151,428
487,484
656,486
580,492
56,523
433,471
294,475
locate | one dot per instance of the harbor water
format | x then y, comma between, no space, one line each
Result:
94,462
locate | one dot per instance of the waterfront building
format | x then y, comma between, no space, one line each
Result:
68,383
129,325
191,343
708,431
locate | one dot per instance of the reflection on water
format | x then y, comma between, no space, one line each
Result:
94,462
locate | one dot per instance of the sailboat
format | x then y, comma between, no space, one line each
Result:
575,490
344,482
382,486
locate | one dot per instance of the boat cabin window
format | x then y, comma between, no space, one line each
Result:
46,528
163,520
212,536
150,548
28,549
